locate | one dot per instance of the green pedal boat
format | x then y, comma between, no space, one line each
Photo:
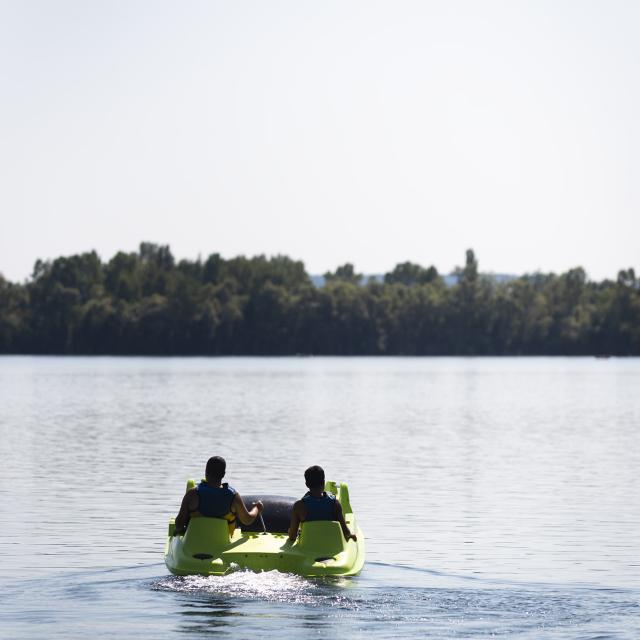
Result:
320,550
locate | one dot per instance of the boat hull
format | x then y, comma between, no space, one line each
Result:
320,550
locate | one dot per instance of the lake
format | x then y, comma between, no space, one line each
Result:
499,497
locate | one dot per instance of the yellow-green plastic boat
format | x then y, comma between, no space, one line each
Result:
320,550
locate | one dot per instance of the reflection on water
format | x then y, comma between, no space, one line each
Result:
498,496
206,616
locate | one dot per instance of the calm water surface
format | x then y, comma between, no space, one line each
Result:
499,497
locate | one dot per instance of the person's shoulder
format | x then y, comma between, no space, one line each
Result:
298,504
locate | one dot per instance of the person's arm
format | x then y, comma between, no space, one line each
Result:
345,529
189,504
295,520
246,517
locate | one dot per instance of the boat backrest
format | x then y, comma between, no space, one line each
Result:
204,534
331,487
343,496
323,537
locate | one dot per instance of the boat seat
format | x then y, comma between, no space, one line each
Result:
323,537
204,534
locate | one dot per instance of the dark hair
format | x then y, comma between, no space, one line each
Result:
216,468
314,476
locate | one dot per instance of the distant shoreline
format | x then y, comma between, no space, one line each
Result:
147,304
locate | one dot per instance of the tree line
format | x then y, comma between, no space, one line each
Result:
147,303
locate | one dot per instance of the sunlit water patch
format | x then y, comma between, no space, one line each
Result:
388,601
270,586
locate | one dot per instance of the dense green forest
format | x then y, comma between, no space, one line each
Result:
147,303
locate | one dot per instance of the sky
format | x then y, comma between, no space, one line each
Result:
336,131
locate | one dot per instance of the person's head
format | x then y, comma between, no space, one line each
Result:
216,467
314,477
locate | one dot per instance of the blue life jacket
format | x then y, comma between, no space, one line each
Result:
215,502
322,508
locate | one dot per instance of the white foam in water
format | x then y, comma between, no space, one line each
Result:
272,586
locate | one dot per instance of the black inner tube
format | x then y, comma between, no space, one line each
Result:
276,513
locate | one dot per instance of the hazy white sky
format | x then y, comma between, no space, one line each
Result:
370,132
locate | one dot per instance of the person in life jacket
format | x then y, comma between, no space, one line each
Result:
214,499
317,504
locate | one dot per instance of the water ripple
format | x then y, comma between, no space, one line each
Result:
498,496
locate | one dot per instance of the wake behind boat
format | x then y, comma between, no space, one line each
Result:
207,548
